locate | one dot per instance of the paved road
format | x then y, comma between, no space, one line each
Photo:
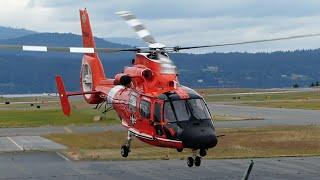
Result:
272,116
268,91
28,143
50,165
38,131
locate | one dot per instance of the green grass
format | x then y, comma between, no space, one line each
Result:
27,99
217,117
265,97
307,104
223,90
296,100
50,114
35,118
238,143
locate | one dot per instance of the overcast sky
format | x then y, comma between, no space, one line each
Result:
178,22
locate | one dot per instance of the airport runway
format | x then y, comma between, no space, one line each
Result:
50,165
53,165
38,131
268,91
272,117
28,143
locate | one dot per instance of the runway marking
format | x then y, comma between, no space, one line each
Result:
63,157
263,92
21,148
68,130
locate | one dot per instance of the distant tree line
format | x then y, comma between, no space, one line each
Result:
316,84
313,84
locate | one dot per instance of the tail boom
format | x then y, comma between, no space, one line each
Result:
64,95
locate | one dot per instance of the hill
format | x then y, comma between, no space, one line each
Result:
29,72
8,32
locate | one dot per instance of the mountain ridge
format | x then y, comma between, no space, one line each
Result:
9,32
33,72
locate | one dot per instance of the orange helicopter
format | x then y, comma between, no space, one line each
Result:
147,96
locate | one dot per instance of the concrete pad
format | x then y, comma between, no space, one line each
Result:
49,165
28,143
7,146
36,143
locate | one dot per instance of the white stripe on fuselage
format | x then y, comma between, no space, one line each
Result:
112,93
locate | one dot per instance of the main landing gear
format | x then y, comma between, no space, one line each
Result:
195,159
125,149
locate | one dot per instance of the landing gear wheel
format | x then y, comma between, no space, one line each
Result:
179,150
190,161
203,152
197,161
124,151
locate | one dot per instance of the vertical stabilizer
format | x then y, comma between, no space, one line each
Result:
87,35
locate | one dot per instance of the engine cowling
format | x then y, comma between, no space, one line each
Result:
123,79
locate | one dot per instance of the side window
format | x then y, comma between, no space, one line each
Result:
157,112
145,109
133,103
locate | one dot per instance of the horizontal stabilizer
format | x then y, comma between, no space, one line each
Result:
65,104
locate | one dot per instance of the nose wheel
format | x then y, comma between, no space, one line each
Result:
197,161
125,149
203,152
194,160
190,161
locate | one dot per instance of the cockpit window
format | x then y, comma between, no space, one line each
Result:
157,112
184,110
156,56
199,109
168,113
145,109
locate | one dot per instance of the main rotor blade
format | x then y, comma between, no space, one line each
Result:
81,50
178,48
138,26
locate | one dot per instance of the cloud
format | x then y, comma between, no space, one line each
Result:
179,22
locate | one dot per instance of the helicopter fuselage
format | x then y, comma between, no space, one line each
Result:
153,105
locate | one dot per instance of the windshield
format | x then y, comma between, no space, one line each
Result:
183,110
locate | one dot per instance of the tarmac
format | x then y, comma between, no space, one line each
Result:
28,143
272,117
51,166
26,155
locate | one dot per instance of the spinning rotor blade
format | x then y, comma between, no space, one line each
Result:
178,48
82,50
160,47
138,26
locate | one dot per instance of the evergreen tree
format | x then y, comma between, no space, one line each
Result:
312,84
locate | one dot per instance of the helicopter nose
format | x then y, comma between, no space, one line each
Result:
199,138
